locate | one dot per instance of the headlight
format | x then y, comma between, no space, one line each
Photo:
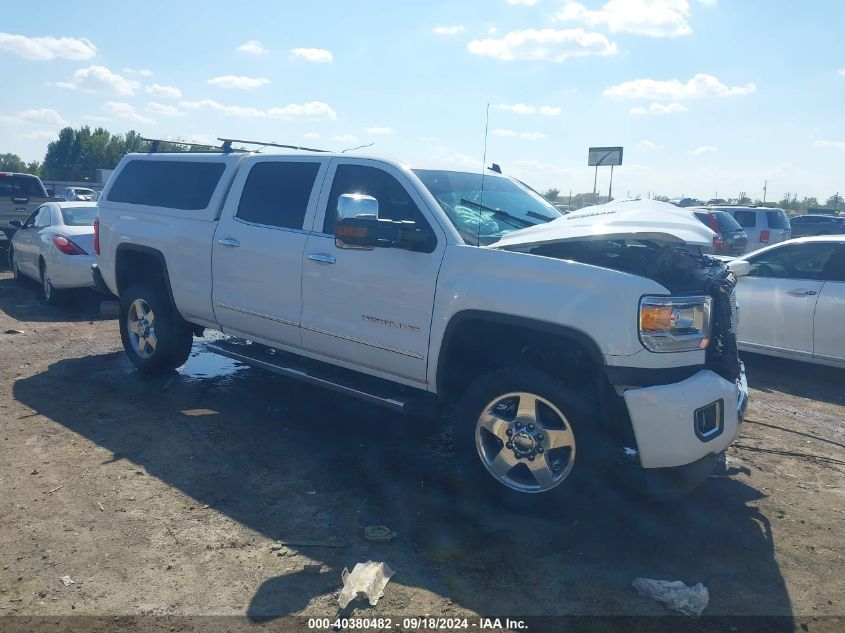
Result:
675,324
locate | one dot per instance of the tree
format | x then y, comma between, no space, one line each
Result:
551,194
661,198
78,154
743,198
835,202
11,162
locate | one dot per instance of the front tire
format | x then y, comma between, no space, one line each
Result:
155,337
528,440
13,266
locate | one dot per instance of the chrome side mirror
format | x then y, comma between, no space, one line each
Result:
356,225
739,267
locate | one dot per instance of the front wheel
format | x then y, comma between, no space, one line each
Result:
13,265
154,335
528,439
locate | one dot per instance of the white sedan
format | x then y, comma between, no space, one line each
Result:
55,247
792,301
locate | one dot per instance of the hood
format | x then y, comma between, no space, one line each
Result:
619,219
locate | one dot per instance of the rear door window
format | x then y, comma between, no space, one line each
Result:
277,193
746,219
835,269
726,222
172,184
777,219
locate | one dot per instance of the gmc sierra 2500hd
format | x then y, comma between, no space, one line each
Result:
559,343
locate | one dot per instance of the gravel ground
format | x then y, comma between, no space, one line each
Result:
167,496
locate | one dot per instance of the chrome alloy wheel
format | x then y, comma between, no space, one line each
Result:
525,442
140,323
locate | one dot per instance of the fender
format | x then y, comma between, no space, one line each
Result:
148,251
554,329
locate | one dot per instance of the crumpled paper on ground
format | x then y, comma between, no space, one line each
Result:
675,594
367,580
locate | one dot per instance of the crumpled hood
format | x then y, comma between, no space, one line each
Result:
619,219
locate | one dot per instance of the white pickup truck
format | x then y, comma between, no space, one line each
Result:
560,344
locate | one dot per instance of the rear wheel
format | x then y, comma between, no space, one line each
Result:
154,335
528,440
52,296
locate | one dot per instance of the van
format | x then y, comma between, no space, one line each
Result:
763,225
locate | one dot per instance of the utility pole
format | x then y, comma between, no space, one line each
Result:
765,186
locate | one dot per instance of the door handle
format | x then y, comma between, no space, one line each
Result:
231,242
322,258
20,200
802,292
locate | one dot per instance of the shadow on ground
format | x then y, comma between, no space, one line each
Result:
22,301
267,442
804,380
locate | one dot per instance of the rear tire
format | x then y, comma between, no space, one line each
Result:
528,441
52,296
155,337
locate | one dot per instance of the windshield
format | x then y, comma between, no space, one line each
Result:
505,206
79,216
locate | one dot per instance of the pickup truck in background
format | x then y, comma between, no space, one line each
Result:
560,344
20,195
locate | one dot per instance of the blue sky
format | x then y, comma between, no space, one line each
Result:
706,96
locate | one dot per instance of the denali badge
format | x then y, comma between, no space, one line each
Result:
388,323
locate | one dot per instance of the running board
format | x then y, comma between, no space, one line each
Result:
344,381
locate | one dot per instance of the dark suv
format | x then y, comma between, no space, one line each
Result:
730,238
807,225
20,194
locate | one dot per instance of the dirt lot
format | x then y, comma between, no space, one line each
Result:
166,495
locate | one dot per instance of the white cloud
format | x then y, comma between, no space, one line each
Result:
649,145
126,112
550,110
379,130
823,144
252,47
97,119
238,82
311,136
163,110
549,45
704,149
528,136
658,108
48,47
448,30
143,72
525,3
708,3
40,135
310,111
346,138
701,85
316,55
100,79
652,18
34,115
233,111
492,30
168,92
516,108
841,72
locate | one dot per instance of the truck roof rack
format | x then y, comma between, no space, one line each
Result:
227,145
155,145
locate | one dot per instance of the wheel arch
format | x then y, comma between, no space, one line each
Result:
125,276
516,330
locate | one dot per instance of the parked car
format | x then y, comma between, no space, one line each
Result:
730,238
792,301
79,194
55,247
20,194
602,332
686,202
763,225
808,225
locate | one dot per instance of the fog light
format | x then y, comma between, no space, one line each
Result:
709,421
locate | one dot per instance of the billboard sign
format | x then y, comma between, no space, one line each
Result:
603,156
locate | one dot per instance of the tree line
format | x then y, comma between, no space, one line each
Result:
77,154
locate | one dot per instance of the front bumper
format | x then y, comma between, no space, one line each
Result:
663,418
